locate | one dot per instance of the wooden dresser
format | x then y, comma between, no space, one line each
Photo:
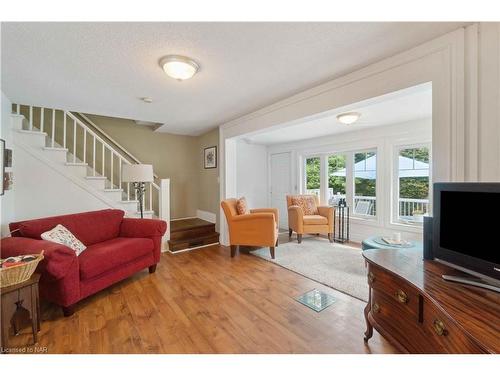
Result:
418,312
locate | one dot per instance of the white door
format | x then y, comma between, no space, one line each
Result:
281,185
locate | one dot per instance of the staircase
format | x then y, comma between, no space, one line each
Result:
66,143
186,234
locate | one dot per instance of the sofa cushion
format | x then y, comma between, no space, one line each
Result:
307,203
109,255
89,227
61,235
241,206
315,220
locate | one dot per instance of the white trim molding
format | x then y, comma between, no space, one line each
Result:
440,61
207,216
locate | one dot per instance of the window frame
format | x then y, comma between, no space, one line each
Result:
353,184
395,219
350,182
304,172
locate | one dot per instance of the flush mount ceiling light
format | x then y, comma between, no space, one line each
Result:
179,67
348,118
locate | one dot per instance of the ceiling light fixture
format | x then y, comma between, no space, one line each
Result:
179,67
348,118
147,100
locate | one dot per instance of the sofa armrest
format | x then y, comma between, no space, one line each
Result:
327,211
274,211
296,219
59,260
142,228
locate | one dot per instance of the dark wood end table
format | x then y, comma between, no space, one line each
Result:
17,302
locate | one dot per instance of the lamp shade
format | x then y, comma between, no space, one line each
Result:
137,173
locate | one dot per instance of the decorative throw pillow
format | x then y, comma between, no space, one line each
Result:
307,203
59,234
241,206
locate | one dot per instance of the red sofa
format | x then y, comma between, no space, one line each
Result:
117,247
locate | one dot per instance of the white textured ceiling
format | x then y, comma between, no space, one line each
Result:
103,68
402,106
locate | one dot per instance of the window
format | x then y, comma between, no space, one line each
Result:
312,175
336,178
413,179
365,183
351,175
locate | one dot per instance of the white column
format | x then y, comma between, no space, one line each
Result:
164,206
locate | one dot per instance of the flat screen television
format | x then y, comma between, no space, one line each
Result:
466,228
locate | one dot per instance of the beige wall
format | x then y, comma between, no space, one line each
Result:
173,156
208,178
177,157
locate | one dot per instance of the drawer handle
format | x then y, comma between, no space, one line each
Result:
376,308
439,328
371,277
401,296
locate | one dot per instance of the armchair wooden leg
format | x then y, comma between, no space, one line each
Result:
234,248
277,242
330,237
152,268
290,231
272,251
299,238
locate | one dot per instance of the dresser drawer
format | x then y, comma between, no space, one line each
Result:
400,291
443,334
396,323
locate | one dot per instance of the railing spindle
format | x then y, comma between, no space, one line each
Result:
31,118
93,156
42,112
53,127
18,109
103,159
128,191
150,196
112,157
84,145
74,141
64,129
120,162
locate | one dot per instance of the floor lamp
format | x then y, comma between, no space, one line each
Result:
138,174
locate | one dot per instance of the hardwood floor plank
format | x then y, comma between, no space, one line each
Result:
204,301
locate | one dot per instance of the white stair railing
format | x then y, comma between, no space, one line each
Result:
71,131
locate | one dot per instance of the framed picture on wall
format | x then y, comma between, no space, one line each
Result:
210,157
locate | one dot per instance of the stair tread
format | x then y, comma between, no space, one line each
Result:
32,132
129,201
55,149
174,241
76,164
113,190
188,224
95,178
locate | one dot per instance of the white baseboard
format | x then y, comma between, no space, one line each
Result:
183,218
191,248
205,215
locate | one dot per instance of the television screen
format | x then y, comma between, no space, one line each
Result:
470,224
466,229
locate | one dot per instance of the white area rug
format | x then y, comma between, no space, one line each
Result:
338,266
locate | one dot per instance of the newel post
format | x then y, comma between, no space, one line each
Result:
164,205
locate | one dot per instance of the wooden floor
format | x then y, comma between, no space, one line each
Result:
203,301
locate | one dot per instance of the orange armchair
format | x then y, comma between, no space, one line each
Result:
257,228
321,222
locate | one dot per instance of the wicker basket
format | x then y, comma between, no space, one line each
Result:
20,273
